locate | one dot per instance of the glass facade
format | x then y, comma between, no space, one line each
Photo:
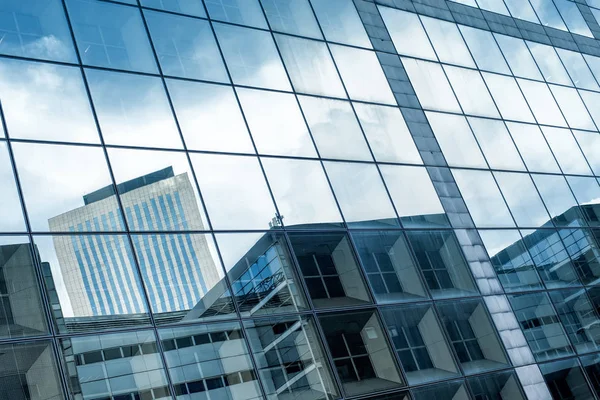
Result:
299,199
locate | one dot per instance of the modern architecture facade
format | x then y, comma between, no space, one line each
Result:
299,199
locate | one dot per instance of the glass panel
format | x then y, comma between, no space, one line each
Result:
185,47
302,193
310,66
340,22
590,145
96,280
37,29
447,41
407,33
550,64
333,122
566,151
362,75
243,12
387,133
519,59
262,275
510,259
55,180
471,92
360,352
484,49
456,140
251,55
133,110
250,208
494,6
22,311
414,196
209,361
522,199
522,10
431,86
548,14
30,370
573,18
500,385
440,259
191,7
593,63
533,147
110,35
483,199
578,318
578,70
157,190
276,123
582,246
389,266
591,365
209,117
118,364
46,102
361,195
329,269
472,335
564,379
455,390
290,358
558,199
508,97
542,103
592,102
587,193
292,16
11,215
496,144
572,107
419,343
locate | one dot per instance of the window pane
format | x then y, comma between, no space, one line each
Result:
387,133
522,199
533,147
484,49
209,117
578,318
500,385
111,35
587,193
455,390
448,42
592,368
582,246
484,201
590,145
361,195
276,123
431,86
250,208
302,193
592,102
548,14
522,10
594,64
11,219
573,18
54,180
414,196
558,198
310,66
191,7
362,74
185,47
550,64
519,59
292,16
542,103
508,97
389,266
494,6
578,70
572,107
566,151
251,56
496,144
243,12
407,33
564,378
133,110
471,92
340,22
333,122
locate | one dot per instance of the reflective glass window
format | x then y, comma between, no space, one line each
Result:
594,64
389,266
333,122
456,140
494,6
251,207
292,16
508,97
578,317
558,198
362,75
548,14
533,147
591,366
572,17
360,192
276,123
185,47
251,56
447,41
310,66
484,49
471,91
582,246
519,59
37,29
340,22
592,102
522,199
407,33
419,343
484,201
11,219
455,390
564,379
330,271
414,196
133,110
431,86
572,107
301,192
587,193
190,7
387,133
549,63
360,352
589,142
542,103
496,144
209,117
440,259
578,70
55,180
522,10
243,12
54,94
566,151
111,35
500,385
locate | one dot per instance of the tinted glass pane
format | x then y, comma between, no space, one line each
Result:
292,16
522,199
501,385
572,107
484,49
533,147
542,103
471,92
402,25
578,317
578,70
558,199
566,151
519,59
447,41
243,12
191,7
496,144
455,390
508,98
565,380
12,214
589,142
431,86
340,22
549,63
